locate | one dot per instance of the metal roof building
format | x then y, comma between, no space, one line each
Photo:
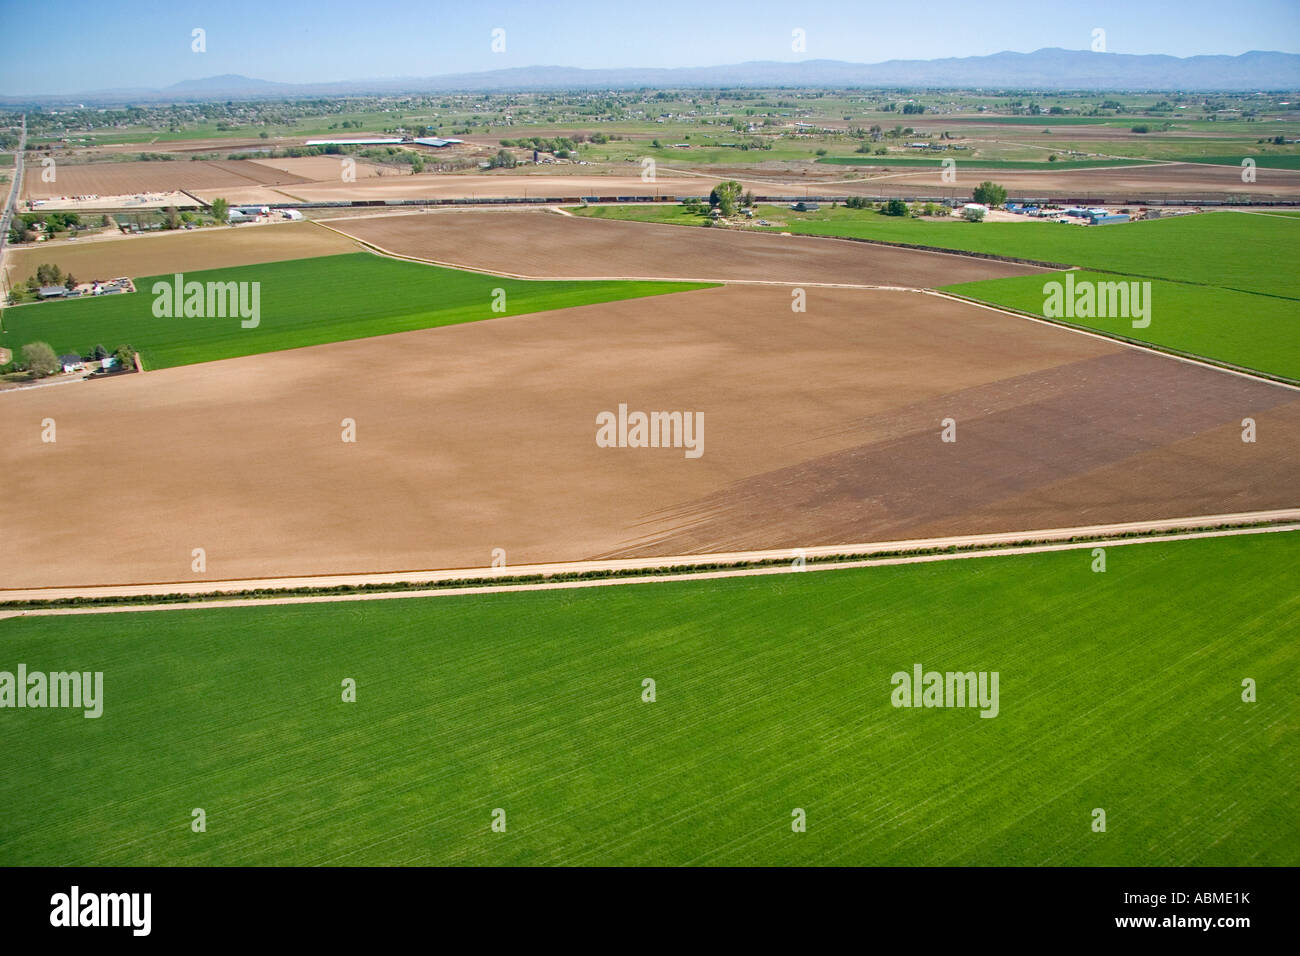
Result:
377,141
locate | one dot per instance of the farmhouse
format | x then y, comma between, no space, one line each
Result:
52,292
71,363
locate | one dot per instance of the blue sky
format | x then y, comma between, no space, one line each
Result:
82,45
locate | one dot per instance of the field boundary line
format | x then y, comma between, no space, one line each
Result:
1253,212
678,567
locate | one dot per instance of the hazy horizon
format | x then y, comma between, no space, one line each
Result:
139,45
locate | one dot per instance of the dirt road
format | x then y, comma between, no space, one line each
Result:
793,561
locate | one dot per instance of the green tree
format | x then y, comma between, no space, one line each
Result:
69,282
895,207
990,194
725,197
125,356
220,209
40,359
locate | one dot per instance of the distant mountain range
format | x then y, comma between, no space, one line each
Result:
1048,69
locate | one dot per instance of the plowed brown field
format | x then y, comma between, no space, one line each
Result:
539,243
821,428
119,179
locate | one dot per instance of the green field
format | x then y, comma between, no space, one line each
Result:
303,302
1226,249
970,162
1254,331
1119,690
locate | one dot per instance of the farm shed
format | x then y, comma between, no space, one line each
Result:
373,141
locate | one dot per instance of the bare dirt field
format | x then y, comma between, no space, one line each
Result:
540,243
317,179
487,186
322,168
119,179
820,429
254,195
162,253
1189,181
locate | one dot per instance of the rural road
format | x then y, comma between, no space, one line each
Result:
14,190
992,545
